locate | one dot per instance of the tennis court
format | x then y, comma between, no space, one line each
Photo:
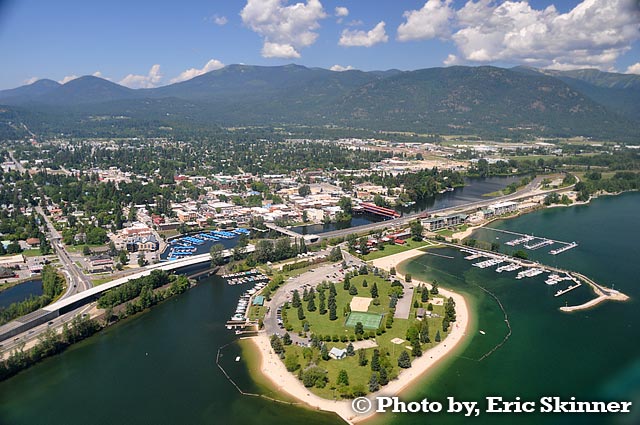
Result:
368,320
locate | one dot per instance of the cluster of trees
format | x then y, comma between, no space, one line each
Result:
619,182
142,287
50,343
554,198
268,251
52,287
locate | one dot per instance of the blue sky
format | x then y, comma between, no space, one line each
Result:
145,43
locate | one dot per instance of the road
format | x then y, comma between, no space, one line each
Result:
529,190
76,279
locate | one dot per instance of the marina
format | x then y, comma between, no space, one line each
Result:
569,289
532,242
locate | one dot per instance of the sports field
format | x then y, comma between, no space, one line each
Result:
368,320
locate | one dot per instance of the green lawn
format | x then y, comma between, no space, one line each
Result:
394,249
321,325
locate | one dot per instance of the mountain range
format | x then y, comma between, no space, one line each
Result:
454,100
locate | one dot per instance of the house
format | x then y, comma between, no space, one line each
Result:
100,263
33,242
337,353
142,243
258,300
420,313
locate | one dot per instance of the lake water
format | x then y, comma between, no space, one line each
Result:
20,292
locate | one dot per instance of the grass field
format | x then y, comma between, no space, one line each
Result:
369,320
394,249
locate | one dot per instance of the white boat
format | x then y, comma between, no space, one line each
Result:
238,358
482,332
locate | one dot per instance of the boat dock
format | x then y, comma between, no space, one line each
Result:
569,289
535,242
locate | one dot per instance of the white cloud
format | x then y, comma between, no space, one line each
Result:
30,80
633,69
285,29
452,60
277,50
342,11
152,79
355,23
433,20
68,78
595,33
350,38
190,73
219,20
340,68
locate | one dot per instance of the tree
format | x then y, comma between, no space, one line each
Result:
346,205
374,385
365,283
374,290
359,330
343,378
375,360
291,362
311,305
416,349
404,361
416,230
304,190
276,344
364,249
86,250
437,338
295,299
362,358
347,283
424,295
392,271
301,315
424,332
332,312
123,257
324,352
434,288
286,339
216,255
353,290
407,277
384,377
322,308
350,350
141,260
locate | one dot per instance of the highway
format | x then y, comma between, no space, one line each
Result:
76,279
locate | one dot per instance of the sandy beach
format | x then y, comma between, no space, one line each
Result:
274,369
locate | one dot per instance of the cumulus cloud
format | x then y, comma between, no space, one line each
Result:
595,33
68,78
152,79
190,73
429,22
342,11
633,69
285,29
30,80
219,20
351,38
340,68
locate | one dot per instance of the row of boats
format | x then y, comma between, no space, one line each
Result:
552,279
187,245
245,301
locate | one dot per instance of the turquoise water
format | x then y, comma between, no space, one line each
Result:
592,354
159,367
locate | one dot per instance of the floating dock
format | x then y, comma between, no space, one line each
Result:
563,249
544,242
569,289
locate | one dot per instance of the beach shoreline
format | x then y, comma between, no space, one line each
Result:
275,371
